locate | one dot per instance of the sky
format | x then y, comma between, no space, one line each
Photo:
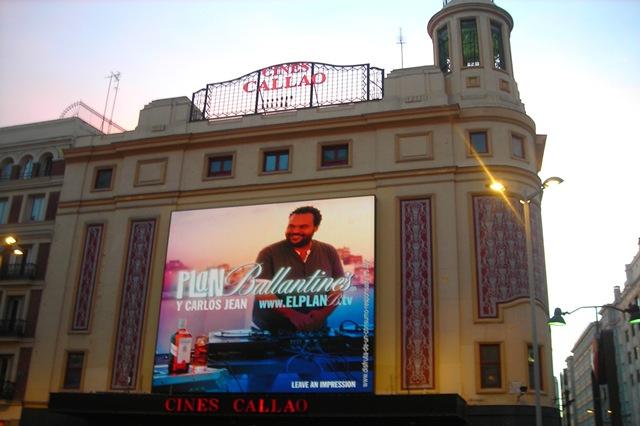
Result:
576,63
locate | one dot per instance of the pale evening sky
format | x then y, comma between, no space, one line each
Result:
575,63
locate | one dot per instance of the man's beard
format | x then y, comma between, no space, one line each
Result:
303,242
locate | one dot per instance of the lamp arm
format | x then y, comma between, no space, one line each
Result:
596,306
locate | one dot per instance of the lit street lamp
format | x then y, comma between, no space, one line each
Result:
526,201
10,244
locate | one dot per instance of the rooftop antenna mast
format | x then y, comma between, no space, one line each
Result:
112,76
401,42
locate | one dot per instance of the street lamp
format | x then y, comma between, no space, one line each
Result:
10,244
526,201
632,310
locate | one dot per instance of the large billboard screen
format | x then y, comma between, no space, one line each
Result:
269,298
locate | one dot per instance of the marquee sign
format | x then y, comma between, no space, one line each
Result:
289,86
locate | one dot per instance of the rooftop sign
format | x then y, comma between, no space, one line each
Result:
289,86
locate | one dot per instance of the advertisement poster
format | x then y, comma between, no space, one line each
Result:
270,298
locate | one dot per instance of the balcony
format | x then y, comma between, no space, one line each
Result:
7,390
12,327
18,271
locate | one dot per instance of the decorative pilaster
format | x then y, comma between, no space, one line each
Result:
87,279
132,305
417,295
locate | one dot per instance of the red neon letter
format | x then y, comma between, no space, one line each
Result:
319,78
246,88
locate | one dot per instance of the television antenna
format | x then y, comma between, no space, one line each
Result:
401,42
113,76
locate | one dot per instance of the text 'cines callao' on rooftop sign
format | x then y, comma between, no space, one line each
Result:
288,86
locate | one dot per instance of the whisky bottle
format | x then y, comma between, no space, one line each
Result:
180,353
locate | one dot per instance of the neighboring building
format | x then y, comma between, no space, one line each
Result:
153,225
613,394
31,175
567,387
626,345
581,370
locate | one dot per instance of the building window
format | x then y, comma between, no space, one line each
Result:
444,58
4,210
517,147
219,165
7,168
470,45
46,162
626,335
335,155
6,386
103,178
629,357
27,168
635,352
490,370
275,161
479,142
530,366
73,370
499,61
35,208
12,323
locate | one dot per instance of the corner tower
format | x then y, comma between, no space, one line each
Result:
471,45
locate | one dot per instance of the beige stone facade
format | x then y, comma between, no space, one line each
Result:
414,144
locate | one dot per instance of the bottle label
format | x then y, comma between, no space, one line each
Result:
184,350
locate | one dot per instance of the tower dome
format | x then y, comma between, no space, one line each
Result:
471,45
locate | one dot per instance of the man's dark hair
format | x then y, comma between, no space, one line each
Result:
317,217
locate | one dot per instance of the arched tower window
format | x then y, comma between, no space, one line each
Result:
470,45
499,61
444,57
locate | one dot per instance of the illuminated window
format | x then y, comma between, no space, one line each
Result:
499,61
470,46
220,165
517,147
103,177
444,58
479,142
490,369
275,161
530,365
73,370
335,155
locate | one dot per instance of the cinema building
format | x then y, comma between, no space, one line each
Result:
169,302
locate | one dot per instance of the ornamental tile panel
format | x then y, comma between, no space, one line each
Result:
87,279
417,295
132,305
501,253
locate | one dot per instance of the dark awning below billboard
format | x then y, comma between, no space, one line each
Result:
254,409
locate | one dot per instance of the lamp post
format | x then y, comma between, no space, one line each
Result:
526,201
